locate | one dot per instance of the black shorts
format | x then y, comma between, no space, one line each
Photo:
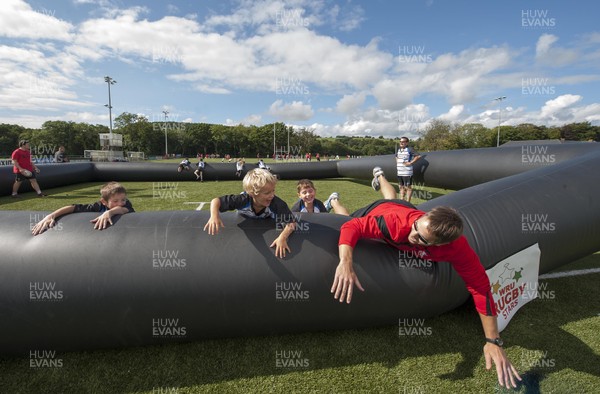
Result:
365,210
405,180
20,177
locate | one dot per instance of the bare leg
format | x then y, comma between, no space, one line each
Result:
386,188
339,208
408,193
35,186
16,187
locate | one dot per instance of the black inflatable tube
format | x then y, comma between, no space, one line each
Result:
555,206
226,285
111,294
454,170
458,169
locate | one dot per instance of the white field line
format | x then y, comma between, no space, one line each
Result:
570,273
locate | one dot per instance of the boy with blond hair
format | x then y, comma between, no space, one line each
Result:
258,201
113,202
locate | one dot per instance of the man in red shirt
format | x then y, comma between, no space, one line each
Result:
23,168
436,236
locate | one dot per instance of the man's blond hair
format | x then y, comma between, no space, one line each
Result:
256,179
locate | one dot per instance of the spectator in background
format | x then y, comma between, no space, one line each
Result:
23,168
60,156
405,158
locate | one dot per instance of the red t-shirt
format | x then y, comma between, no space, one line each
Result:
393,222
23,157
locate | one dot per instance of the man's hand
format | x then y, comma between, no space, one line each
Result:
505,370
344,281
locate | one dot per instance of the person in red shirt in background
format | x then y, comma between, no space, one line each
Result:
436,236
23,168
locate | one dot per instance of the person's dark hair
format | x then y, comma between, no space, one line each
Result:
302,183
445,224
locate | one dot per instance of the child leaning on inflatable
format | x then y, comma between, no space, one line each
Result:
307,201
258,201
113,202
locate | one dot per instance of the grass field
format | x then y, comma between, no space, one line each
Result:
553,341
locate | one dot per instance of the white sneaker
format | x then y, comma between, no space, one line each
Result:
333,196
377,172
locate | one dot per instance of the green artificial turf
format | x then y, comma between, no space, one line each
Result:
553,341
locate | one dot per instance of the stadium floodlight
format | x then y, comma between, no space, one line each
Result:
109,81
499,99
166,116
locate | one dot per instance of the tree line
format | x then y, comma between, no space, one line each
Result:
188,139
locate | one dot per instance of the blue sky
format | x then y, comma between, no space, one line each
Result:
336,67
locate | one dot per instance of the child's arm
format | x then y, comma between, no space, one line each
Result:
103,221
280,242
214,222
50,220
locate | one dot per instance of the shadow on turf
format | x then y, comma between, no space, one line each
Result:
156,368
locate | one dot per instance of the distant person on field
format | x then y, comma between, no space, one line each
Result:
60,156
307,201
23,168
200,170
258,201
239,167
185,165
405,158
263,166
437,236
113,202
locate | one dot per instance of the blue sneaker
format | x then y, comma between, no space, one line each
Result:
377,172
333,196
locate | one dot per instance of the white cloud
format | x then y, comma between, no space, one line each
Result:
290,111
19,20
548,54
350,103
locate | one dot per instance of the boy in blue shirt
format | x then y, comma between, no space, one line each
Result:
113,202
259,202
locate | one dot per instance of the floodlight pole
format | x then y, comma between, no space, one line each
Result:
109,81
166,116
499,99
